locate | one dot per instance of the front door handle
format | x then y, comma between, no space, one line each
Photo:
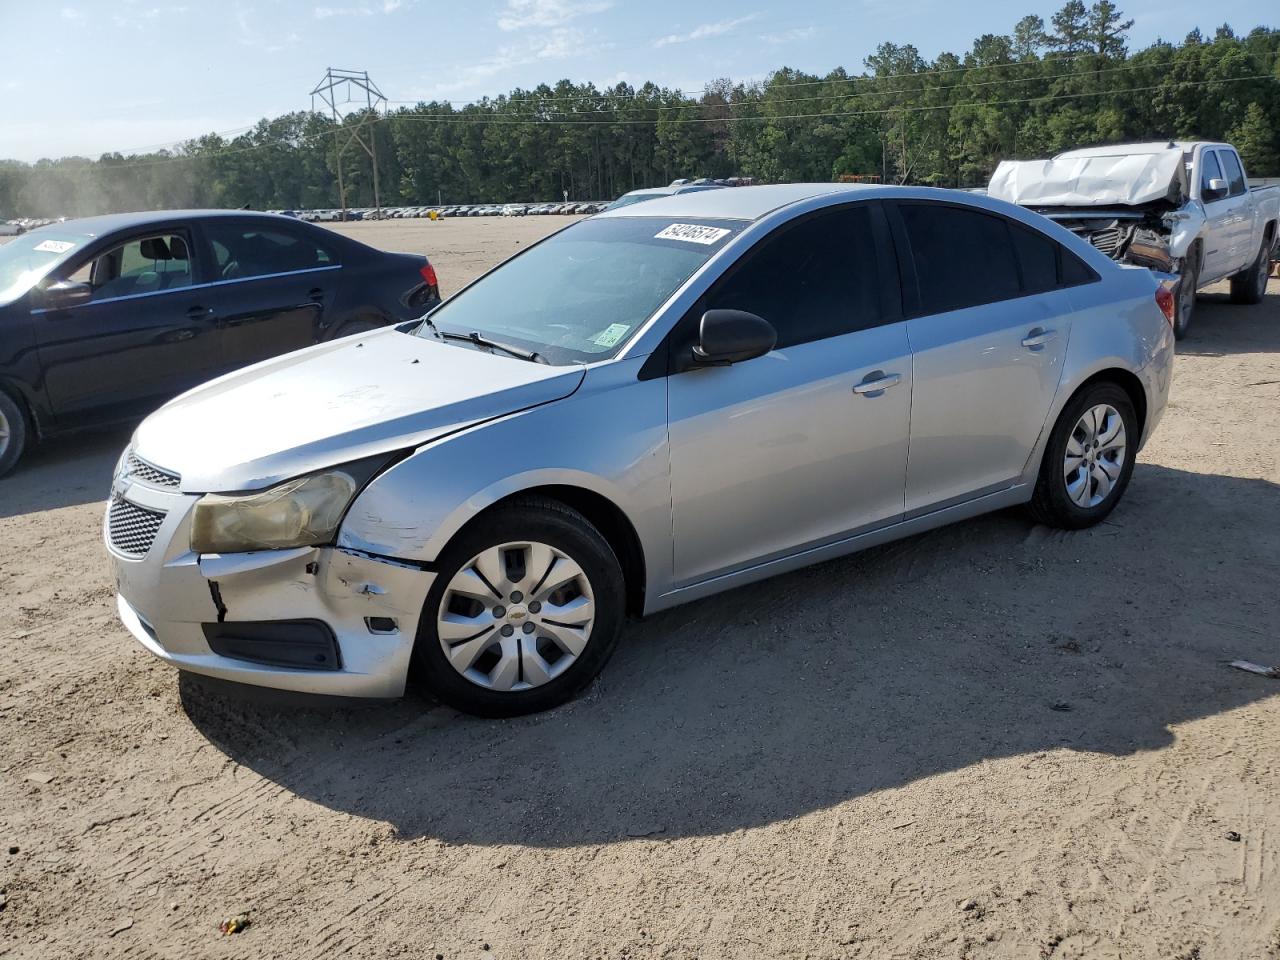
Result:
1038,337
316,295
199,313
877,382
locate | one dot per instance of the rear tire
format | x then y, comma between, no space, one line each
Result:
1186,303
13,433
512,644
1250,285
1086,468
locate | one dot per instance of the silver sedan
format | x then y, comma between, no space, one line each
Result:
662,402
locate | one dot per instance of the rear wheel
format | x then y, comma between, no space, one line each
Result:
1250,286
13,433
1089,459
525,611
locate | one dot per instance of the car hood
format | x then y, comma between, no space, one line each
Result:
1088,181
334,403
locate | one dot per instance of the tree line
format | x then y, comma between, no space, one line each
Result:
1041,88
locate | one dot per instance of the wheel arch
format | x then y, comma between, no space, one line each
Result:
1128,382
603,514
29,411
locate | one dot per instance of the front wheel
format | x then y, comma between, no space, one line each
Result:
1088,460
13,433
525,611
1250,285
1186,302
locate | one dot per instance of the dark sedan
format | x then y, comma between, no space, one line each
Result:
104,319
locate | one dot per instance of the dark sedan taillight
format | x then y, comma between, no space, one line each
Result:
429,276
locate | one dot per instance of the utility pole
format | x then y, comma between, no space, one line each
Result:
336,91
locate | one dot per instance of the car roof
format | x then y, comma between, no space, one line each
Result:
738,203
111,222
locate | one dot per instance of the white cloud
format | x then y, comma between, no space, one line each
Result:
324,13
559,44
71,15
790,36
249,36
719,28
519,14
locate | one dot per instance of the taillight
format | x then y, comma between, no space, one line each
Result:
1164,300
429,275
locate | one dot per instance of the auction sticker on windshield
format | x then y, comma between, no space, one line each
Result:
610,336
53,246
692,233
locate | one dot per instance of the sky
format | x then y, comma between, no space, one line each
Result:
84,77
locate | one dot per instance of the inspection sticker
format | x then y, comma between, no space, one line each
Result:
692,233
610,336
53,246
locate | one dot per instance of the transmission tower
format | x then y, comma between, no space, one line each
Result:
345,92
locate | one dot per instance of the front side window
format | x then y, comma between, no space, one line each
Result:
583,293
1210,169
1235,173
244,250
816,279
142,265
962,257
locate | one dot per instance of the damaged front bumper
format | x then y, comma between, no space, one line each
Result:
264,618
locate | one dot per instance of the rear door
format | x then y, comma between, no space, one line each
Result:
272,286
147,334
808,443
990,317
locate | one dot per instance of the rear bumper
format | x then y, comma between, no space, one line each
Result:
169,597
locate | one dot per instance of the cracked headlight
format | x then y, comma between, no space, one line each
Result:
305,512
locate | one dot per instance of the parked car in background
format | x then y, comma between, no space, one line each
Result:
1178,207
104,319
514,210
653,193
658,403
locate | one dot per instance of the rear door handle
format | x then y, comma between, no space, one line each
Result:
1038,337
877,382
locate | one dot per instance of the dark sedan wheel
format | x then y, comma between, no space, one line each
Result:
525,611
1089,459
13,433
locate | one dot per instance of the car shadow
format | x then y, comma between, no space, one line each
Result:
63,472
1220,328
989,639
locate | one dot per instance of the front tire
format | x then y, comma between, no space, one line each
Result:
1250,285
13,433
1186,303
1089,459
525,611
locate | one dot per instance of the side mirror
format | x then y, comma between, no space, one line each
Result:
66,293
1217,189
731,336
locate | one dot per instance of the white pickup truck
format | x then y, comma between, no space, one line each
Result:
1180,208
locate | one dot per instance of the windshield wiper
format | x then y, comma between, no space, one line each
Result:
481,341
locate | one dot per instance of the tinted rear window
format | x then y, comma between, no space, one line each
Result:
962,257
1037,258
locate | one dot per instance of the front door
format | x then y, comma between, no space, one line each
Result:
808,443
147,334
992,322
1221,212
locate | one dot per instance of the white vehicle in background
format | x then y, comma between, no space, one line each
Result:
1180,208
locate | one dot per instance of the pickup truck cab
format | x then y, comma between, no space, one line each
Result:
1176,207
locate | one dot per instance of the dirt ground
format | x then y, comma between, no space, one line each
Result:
990,741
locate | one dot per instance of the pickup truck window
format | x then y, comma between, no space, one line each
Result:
1210,169
1235,174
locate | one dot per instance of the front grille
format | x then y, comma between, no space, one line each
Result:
1109,240
130,528
141,470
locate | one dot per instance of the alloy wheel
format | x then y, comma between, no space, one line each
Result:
6,434
1095,455
516,616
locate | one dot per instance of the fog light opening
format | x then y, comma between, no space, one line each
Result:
381,625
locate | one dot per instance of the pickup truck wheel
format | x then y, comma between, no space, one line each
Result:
1089,459
1186,304
13,433
525,610
1249,286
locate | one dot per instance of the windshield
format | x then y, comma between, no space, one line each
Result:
582,294
25,260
